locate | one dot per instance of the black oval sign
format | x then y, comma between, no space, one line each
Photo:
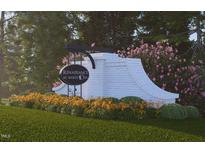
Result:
74,74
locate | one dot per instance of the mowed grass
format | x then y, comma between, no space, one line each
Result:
21,124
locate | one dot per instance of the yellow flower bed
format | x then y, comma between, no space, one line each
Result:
56,99
49,99
95,106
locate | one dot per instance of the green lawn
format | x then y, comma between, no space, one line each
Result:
21,124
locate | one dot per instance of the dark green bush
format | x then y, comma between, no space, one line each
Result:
131,99
173,111
14,103
78,111
152,113
21,104
140,114
44,106
37,106
99,113
51,108
66,109
127,114
58,109
28,105
102,114
192,111
112,99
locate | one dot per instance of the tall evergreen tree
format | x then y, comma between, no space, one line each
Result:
35,44
108,29
1,50
173,27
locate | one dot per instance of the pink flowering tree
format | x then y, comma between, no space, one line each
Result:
168,70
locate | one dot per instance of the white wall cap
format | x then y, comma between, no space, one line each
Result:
133,59
104,55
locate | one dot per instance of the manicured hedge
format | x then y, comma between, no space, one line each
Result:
131,99
112,99
173,111
177,111
192,112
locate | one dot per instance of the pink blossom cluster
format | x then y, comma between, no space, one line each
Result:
166,68
56,84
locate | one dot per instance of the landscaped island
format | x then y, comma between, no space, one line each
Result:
126,108
21,124
28,118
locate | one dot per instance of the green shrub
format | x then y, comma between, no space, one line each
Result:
131,99
126,114
112,99
192,112
58,109
102,114
152,113
66,109
37,106
173,111
21,104
78,111
44,106
51,108
14,103
140,114
28,105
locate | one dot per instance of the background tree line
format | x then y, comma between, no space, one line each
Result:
32,43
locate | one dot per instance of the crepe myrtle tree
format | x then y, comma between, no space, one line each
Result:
170,71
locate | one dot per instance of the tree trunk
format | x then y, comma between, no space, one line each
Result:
1,51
